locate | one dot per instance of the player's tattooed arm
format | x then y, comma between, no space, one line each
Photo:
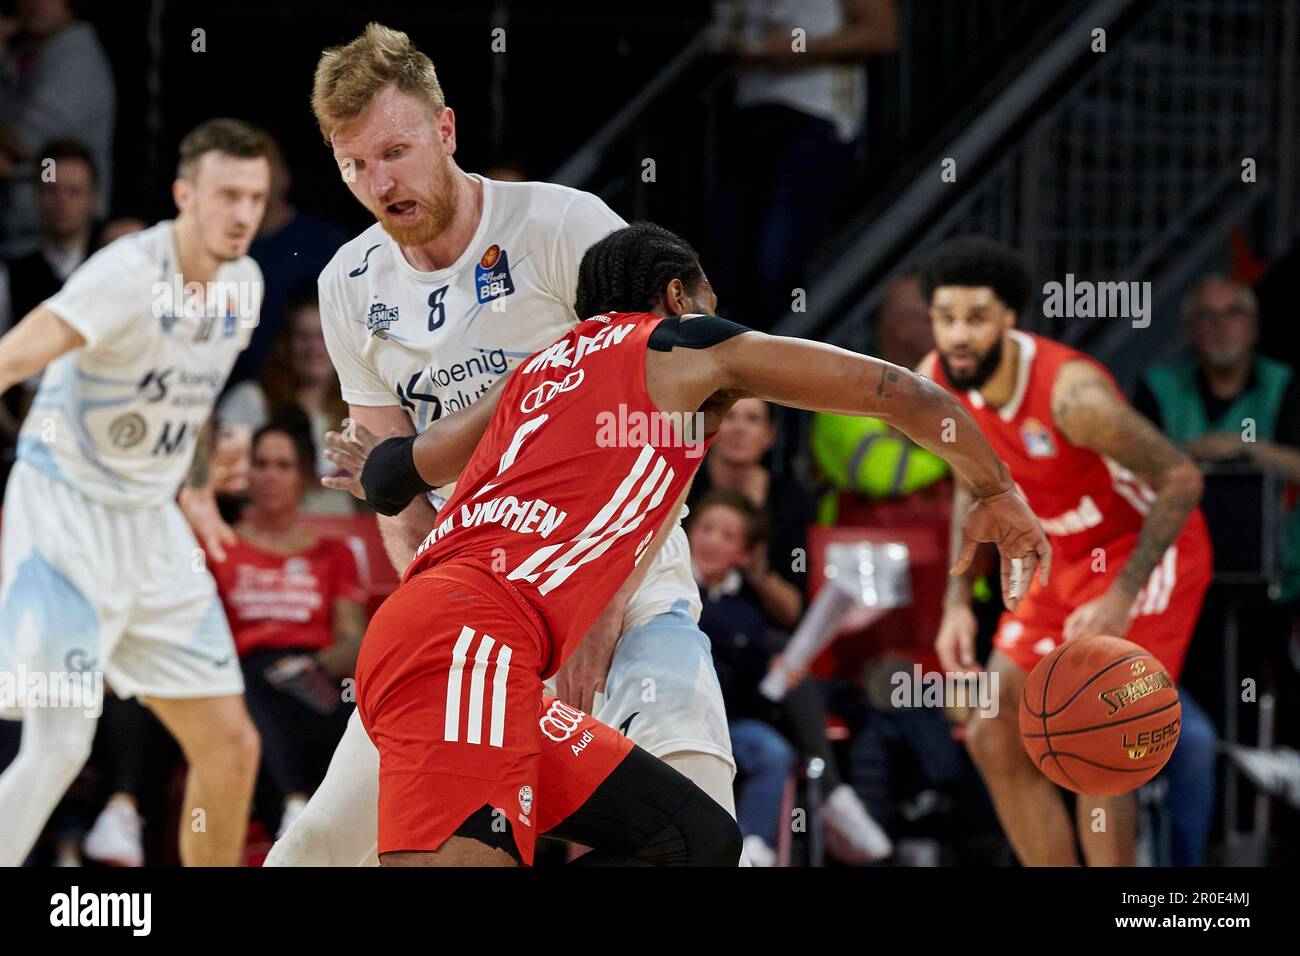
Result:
1091,413
820,377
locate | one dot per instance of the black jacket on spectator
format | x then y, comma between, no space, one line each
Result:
31,282
733,620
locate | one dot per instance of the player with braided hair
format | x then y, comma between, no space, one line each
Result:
459,278
626,271
549,517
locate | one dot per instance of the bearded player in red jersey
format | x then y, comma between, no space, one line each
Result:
1119,503
567,471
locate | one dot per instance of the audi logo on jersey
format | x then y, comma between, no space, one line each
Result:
545,392
562,720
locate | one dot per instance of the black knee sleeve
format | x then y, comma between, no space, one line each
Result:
645,813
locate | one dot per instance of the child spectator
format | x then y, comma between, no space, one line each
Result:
725,530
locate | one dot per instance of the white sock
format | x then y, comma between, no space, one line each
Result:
340,824
55,746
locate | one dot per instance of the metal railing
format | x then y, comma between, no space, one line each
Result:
1134,173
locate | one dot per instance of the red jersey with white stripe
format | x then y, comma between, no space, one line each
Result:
574,475
1083,499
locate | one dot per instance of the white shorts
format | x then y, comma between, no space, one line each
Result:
86,587
662,690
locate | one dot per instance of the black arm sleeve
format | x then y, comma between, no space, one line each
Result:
390,478
698,332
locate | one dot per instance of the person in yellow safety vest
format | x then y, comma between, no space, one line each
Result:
865,455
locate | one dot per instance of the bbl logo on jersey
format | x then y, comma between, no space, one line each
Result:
380,318
492,275
1038,440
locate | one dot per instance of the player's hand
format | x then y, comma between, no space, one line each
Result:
348,451
955,643
583,674
199,505
1109,614
1005,519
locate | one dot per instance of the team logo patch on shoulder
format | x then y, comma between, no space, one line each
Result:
1037,438
380,318
492,275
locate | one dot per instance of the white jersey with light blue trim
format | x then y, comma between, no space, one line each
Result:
434,342
117,418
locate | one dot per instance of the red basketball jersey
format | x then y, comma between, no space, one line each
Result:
575,474
1084,500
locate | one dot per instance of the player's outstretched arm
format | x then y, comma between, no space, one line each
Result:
819,377
34,343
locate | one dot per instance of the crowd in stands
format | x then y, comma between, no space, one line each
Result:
884,783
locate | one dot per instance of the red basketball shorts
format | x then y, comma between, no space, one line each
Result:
1164,614
449,689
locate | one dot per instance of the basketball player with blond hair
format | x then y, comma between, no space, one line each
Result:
460,278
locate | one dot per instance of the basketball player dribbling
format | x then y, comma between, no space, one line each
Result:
1131,554
458,279
553,510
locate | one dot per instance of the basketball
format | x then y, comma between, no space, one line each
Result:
1100,716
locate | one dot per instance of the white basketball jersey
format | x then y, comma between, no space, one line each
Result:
434,342
117,419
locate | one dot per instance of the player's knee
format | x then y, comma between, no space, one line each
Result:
711,835
232,750
993,742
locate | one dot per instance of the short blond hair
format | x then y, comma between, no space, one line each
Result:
349,77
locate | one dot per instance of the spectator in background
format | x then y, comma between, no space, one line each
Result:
292,247
725,530
55,84
778,573
1204,402
864,455
799,109
296,609
115,229
298,373
66,206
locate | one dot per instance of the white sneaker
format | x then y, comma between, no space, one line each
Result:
115,838
292,807
852,836
1276,771
758,852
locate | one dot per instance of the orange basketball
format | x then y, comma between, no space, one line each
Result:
1100,716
